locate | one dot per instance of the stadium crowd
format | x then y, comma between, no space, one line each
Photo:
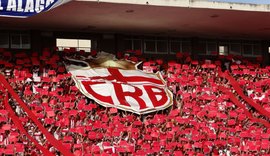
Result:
208,117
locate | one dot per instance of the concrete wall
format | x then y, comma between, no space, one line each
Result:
114,43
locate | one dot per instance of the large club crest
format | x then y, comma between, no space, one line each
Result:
118,83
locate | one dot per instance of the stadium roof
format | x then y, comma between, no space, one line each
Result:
154,17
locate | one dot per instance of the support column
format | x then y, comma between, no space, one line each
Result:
265,52
108,43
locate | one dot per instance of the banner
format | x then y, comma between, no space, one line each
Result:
26,8
50,138
238,89
239,104
118,83
20,126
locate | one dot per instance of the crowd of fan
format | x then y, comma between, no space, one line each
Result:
202,121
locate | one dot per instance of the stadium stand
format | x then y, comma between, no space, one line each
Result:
214,112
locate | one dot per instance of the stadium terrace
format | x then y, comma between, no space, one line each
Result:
134,78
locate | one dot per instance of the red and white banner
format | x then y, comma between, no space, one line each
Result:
126,89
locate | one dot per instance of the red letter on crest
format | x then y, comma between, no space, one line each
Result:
153,95
121,95
87,86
